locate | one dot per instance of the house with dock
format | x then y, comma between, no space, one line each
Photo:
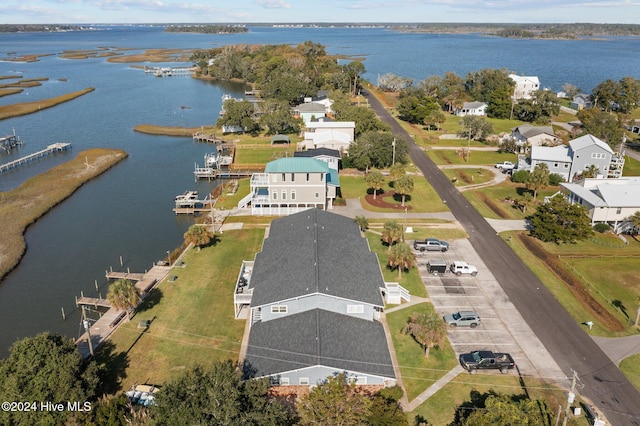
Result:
290,185
318,312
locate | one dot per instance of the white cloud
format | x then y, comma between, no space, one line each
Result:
273,4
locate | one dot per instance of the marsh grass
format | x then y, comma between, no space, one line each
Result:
23,205
15,110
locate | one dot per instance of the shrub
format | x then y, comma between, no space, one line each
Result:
339,201
555,179
602,228
520,176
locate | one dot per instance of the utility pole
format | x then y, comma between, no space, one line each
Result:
393,159
570,398
87,328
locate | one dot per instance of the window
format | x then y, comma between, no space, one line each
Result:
275,195
307,177
293,195
317,195
355,309
321,177
293,177
361,380
284,177
279,309
303,381
284,195
619,210
566,165
284,380
555,165
598,155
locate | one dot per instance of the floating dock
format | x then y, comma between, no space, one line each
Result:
56,147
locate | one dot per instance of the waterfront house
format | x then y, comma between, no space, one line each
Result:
581,101
471,108
309,111
525,86
290,185
324,132
315,295
329,156
611,201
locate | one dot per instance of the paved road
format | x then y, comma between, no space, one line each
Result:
567,342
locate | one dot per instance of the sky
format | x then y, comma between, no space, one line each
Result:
301,11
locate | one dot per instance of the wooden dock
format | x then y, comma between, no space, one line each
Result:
205,137
92,301
56,147
9,142
170,71
195,206
232,172
102,328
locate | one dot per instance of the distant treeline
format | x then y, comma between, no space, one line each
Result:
527,30
207,29
32,28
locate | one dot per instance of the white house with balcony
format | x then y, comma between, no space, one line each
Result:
327,133
290,185
471,108
610,201
525,86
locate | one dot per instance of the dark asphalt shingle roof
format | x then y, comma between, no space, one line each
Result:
343,343
317,152
315,251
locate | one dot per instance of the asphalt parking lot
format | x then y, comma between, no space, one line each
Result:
502,328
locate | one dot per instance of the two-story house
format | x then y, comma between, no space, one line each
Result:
290,185
324,132
527,135
610,201
525,86
315,299
571,161
309,111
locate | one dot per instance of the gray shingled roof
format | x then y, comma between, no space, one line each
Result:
342,343
315,251
317,152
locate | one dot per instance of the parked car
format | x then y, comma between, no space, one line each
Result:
462,319
505,166
436,266
459,267
486,360
431,244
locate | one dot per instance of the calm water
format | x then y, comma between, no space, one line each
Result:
127,211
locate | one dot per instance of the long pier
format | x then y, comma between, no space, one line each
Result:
102,328
170,72
56,147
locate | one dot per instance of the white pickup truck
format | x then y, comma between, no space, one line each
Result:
505,166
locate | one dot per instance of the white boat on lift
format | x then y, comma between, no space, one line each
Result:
188,199
211,160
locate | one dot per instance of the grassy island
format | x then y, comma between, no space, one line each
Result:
151,129
24,108
22,206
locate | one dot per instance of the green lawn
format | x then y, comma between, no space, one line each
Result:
631,368
418,372
491,201
465,176
263,155
192,320
423,199
487,158
410,280
440,408
631,166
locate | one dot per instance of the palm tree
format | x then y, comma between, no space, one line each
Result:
375,181
123,294
427,329
404,187
197,235
362,222
401,257
397,171
538,179
391,233
591,171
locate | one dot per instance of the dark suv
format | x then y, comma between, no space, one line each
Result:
431,244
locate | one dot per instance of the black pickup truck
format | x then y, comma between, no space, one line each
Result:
486,360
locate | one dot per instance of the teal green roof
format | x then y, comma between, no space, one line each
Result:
297,165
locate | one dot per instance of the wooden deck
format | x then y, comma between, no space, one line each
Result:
109,321
92,301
